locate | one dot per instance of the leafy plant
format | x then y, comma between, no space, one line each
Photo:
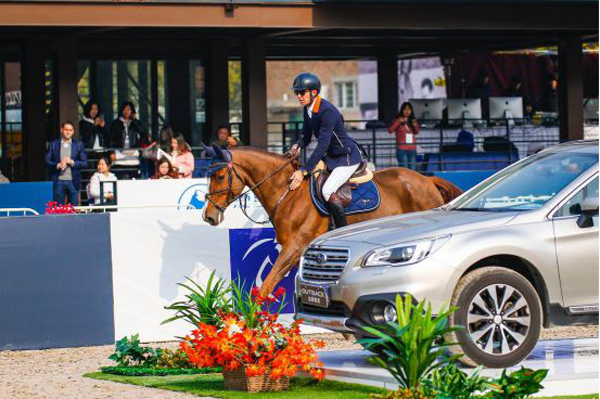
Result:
450,382
129,352
518,384
409,348
202,304
250,305
177,359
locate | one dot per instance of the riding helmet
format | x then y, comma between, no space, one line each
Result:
307,81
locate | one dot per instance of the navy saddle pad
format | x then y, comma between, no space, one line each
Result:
365,198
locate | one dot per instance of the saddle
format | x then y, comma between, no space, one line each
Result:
321,174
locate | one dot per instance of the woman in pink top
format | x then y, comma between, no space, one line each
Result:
406,128
183,160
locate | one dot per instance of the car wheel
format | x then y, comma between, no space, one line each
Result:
501,316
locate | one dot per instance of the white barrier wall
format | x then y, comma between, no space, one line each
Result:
151,253
153,249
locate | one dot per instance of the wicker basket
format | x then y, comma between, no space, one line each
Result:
237,380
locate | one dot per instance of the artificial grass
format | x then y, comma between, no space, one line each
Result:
212,385
138,371
300,388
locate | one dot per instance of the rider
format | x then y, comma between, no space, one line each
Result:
339,152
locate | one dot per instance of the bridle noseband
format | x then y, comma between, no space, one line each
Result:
231,197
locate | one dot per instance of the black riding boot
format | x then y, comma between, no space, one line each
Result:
338,214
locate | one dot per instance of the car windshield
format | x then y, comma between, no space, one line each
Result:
529,184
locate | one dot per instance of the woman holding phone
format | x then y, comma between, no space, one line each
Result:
406,128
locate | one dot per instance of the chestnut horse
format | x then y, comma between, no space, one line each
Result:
295,218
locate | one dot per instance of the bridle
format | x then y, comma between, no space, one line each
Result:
231,197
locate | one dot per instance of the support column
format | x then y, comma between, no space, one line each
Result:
33,98
570,86
387,87
104,89
217,100
254,94
66,98
178,84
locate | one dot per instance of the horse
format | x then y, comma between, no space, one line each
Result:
295,218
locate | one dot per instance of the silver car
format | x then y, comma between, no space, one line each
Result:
518,251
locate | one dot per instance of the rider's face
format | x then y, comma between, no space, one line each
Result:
304,96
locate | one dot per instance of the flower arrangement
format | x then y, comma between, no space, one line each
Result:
54,208
248,338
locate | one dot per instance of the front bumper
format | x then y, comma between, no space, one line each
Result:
358,297
339,318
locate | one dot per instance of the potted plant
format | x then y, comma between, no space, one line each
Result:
257,352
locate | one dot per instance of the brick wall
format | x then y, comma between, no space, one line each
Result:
281,102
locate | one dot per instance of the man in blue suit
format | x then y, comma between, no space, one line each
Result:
65,159
335,147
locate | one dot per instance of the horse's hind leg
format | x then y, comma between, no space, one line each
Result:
288,258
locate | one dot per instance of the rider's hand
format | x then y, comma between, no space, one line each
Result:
295,150
296,180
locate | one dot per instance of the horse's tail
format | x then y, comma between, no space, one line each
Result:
448,190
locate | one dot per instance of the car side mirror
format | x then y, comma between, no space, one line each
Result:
589,209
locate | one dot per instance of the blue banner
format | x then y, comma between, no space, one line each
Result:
33,195
253,253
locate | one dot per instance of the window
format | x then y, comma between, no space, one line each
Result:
529,184
345,94
573,206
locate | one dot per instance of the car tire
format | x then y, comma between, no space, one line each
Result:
487,339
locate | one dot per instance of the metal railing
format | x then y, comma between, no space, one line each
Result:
6,212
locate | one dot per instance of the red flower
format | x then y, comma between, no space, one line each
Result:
279,293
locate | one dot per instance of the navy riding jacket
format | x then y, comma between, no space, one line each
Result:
335,147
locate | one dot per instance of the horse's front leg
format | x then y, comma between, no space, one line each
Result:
288,258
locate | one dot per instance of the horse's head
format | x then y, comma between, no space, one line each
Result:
224,186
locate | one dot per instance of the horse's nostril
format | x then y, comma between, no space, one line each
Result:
210,220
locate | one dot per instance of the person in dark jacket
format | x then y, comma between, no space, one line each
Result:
126,131
340,153
92,129
65,159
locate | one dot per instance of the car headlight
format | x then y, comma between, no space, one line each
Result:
404,254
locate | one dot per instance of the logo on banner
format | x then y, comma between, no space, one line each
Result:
193,197
253,253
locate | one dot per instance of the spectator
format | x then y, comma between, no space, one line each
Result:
164,170
182,158
163,143
515,88
92,127
3,179
102,175
483,90
528,111
126,131
406,127
549,100
224,138
65,159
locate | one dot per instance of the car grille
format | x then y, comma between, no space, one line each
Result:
324,264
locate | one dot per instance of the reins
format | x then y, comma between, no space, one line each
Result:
231,198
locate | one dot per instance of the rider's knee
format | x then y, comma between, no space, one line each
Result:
326,193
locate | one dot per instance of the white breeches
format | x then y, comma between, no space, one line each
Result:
338,177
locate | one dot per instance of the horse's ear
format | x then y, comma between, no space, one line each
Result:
210,152
218,152
222,154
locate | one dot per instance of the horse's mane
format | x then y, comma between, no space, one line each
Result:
259,151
